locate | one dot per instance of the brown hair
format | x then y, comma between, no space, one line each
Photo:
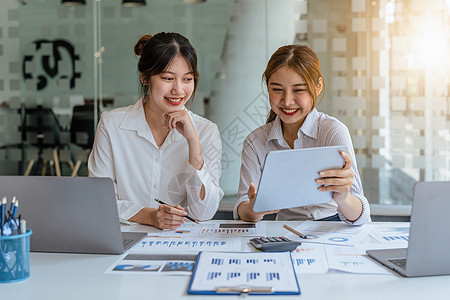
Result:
156,52
302,60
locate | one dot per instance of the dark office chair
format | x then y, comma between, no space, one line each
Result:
82,130
40,128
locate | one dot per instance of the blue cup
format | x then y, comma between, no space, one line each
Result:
15,257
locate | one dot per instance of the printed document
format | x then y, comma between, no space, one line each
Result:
334,233
272,270
237,228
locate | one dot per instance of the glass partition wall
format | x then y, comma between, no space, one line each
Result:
385,65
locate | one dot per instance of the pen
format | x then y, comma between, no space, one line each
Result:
187,217
2,214
14,211
295,231
13,201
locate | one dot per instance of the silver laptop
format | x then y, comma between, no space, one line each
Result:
429,242
69,214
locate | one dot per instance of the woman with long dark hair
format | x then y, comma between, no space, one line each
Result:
157,148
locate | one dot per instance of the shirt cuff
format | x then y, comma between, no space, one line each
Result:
363,218
202,174
128,213
238,202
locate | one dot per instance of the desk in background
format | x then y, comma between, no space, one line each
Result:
80,276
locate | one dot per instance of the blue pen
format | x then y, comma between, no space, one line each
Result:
14,211
2,214
13,201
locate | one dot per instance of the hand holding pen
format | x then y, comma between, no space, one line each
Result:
177,207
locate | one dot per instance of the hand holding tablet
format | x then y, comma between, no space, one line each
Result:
289,177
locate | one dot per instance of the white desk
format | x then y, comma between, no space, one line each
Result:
80,276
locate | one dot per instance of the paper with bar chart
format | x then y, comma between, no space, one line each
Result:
272,271
153,264
310,258
333,233
188,244
156,255
391,234
212,228
354,259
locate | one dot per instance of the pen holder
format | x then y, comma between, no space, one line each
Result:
15,257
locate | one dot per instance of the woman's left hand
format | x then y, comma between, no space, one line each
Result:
180,121
338,181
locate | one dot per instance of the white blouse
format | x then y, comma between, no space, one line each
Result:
125,151
318,130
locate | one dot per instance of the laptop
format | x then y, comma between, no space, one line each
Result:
69,214
288,177
429,242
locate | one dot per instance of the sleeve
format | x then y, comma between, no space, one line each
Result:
338,137
250,172
208,176
101,164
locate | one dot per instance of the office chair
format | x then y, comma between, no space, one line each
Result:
41,128
82,130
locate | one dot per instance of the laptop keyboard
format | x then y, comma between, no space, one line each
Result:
399,262
126,242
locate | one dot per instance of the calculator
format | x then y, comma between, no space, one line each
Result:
274,244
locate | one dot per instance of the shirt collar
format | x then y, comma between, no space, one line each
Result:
276,133
135,120
308,128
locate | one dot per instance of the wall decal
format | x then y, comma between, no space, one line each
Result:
59,52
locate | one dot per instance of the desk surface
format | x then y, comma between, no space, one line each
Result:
80,276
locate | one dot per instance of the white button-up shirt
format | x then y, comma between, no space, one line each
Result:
318,130
125,150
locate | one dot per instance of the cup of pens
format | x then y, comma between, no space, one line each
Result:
15,257
14,244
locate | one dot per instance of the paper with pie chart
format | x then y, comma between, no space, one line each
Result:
331,233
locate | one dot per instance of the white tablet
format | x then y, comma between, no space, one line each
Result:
288,177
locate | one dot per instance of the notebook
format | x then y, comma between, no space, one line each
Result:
429,243
69,214
288,177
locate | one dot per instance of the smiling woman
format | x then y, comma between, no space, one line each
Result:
294,82
143,147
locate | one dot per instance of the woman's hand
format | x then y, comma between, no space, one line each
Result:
169,217
180,121
163,217
338,181
245,209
